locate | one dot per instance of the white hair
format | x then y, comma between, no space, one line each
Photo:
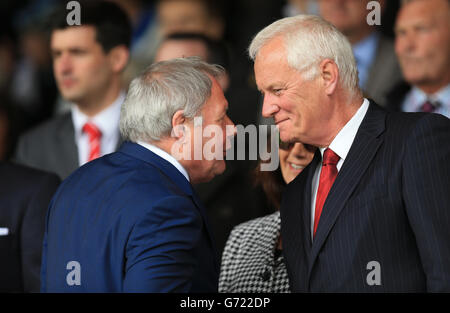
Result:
308,40
161,90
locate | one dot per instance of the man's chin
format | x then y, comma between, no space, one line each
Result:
218,169
286,136
71,96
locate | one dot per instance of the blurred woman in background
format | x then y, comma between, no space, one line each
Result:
252,260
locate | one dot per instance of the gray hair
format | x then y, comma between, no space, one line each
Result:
308,40
161,90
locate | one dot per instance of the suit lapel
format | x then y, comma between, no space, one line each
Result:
362,151
308,200
66,148
137,151
202,210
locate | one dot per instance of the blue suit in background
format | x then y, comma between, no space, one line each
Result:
128,222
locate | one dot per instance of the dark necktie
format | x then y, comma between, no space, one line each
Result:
429,106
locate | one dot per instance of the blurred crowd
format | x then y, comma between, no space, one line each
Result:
29,94
403,65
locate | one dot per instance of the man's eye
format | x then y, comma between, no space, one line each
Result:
277,91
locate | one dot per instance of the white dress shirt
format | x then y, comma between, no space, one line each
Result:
166,156
107,121
341,145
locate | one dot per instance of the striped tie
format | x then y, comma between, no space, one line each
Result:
94,140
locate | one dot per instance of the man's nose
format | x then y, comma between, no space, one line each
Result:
406,43
269,106
230,126
64,64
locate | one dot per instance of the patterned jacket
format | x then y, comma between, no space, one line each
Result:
250,262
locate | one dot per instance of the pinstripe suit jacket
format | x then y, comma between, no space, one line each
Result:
390,203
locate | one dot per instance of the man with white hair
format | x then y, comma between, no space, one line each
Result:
130,221
370,212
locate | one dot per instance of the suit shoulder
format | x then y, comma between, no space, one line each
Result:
22,177
51,126
134,183
25,173
409,120
150,177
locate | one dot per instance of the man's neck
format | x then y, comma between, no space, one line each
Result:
344,114
433,88
96,104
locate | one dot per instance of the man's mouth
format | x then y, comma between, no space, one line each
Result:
67,82
277,122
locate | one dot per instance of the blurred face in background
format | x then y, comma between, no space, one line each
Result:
349,16
82,70
182,48
191,16
294,157
171,49
422,43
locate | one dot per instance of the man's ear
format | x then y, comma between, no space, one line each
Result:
119,58
330,75
178,124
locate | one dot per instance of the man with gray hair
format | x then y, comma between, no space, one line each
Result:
370,212
130,221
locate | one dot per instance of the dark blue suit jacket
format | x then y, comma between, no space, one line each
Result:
133,223
390,203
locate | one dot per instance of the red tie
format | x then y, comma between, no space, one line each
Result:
327,177
94,140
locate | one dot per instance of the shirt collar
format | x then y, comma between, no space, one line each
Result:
343,141
107,120
417,97
166,156
443,95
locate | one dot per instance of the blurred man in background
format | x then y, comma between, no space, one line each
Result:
422,45
24,197
193,16
88,61
180,45
378,70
